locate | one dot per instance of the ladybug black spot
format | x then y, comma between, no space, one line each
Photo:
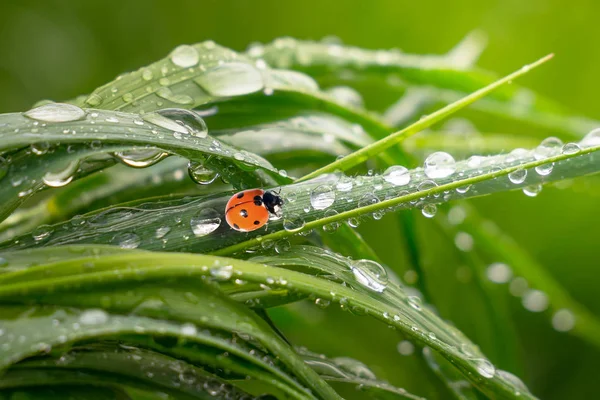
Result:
256,222
240,195
236,226
244,213
258,203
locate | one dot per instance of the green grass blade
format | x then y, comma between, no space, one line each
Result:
369,151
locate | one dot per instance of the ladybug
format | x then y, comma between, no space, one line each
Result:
249,210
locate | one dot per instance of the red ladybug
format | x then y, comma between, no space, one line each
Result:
249,210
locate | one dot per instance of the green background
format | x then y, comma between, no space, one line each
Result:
60,49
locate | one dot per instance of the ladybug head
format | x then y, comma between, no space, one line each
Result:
272,202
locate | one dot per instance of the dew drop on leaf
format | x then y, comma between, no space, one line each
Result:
141,158
185,56
322,197
93,317
549,147
222,273
127,240
42,233
591,139
429,210
200,174
56,112
62,177
370,274
484,367
231,79
439,165
397,175
405,348
205,222
544,169
518,176
293,224
532,190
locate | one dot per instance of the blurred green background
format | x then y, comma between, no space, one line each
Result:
60,49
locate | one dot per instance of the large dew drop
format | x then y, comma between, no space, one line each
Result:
188,119
322,197
231,79
127,240
439,165
370,275
93,317
185,56
200,174
498,273
141,158
397,175
205,221
56,112
563,320
62,177
163,122
484,367
518,176
549,147
591,139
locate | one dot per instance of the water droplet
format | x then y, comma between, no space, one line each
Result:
532,190
167,94
161,232
231,79
463,241
141,158
354,222
127,240
347,96
62,177
222,273
456,215
498,273
515,381
94,100
354,367
56,112
322,197
164,122
591,139
93,316
200,174
439,165
190,120
484,367
147,74
563,320
322,303
189,329
127,97
185,56
42,232
571,148
344,184
40,148
370,274
549,147
429,210
544,169
293,224
405,348
397,175
282,246
518,176
332,226
415,302
205,221
535,300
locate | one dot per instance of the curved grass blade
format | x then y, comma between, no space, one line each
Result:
393,306
58,391
332,199
121,366
365,153
349,371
